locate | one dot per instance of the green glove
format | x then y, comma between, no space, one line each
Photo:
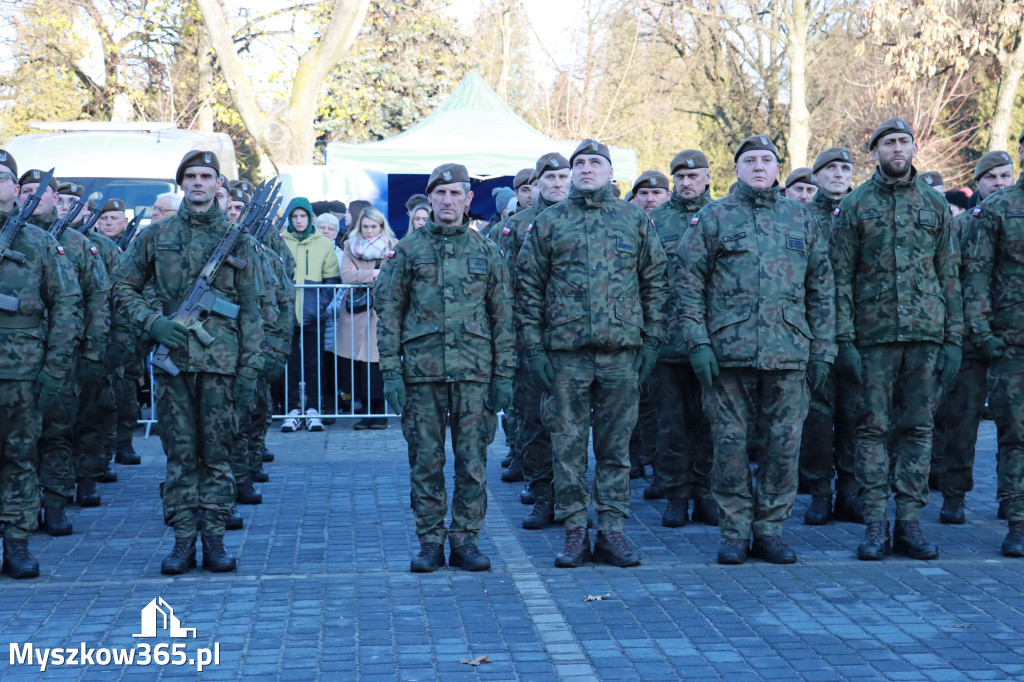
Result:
817,374
47,389
849,363
273,367
168,332
245,385
645,359
949,362
394,391
500,396
114,356
90,372
539,366
993,347
705,364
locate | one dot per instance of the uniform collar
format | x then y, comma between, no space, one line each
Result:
691,205
894,185
208,218
591,198
446,230
762,198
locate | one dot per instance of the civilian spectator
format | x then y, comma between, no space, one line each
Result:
958,201
164,205
327,224
419,216
355,209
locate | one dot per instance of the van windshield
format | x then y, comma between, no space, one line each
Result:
137,194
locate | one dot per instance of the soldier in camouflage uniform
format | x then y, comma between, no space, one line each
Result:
962,403
899,323
827,447
40,324
534,440
993,296
591,290
682,461
56,447
197,408
446,344
756,297
800,186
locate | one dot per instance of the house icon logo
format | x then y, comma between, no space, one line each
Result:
151,621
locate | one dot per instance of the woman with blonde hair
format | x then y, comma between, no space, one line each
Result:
366,246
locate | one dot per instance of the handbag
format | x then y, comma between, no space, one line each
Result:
359,301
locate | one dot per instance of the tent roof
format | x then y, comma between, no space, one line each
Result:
472,127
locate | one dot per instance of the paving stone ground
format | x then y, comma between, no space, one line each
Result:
323,589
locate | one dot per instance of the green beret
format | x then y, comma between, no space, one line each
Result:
589,146
522,178
990,161
446,174
688,158
931,178
629,196
799,175
831,154
552,161
72,188
244,185
754,143
35,175
7,159
197,158
533,177
650,179
888,127
112,205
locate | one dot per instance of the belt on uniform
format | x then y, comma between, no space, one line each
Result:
8,321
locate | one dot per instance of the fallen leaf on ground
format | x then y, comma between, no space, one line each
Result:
476,661
597,597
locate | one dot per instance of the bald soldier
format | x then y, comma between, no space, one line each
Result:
800,186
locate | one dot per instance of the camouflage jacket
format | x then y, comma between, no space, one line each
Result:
444,308
755,282
962,226
897,265
823,209
121,332
671,220
512,234
994,268
591,275
172,253
47,326
94,282
277,310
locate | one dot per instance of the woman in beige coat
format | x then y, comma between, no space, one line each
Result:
366,246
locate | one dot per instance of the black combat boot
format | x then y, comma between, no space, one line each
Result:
181,559
1001,513
733,551
1013,543
246,493
125,454
909,540
576,550
18,563
514,472
611,548
676,513
56,522
705,510
541,516
215,557
655,491
507,460
772,549
468,558
819,511
526,495
235,520
430,558
87,495
848,508
268,456
636,469
877,542
952,510
260,476
108,475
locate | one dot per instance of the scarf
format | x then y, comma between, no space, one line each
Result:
370,249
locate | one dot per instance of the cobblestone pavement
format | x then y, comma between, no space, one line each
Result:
323,589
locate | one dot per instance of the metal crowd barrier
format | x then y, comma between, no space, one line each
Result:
323,391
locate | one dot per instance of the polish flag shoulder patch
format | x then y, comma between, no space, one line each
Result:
94,250
501,252
505,230
60,249
391,253
120,250
529,228
836,212
976,212
694,220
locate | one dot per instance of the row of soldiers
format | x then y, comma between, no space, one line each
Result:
80,316
821,340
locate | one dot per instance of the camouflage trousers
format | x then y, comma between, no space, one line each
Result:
126,388
21,424
55,452
602,383
198,422
770,406
956,428
533,440
429,407
510,425
96,409
247,450
829,441
643,441
1006,401
240,456
682,463
907,370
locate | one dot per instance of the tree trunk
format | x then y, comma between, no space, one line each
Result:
204,57
799,116
1011,72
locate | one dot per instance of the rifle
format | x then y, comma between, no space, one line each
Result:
201,301
57,229
10,230
91,222
129,232
269,218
